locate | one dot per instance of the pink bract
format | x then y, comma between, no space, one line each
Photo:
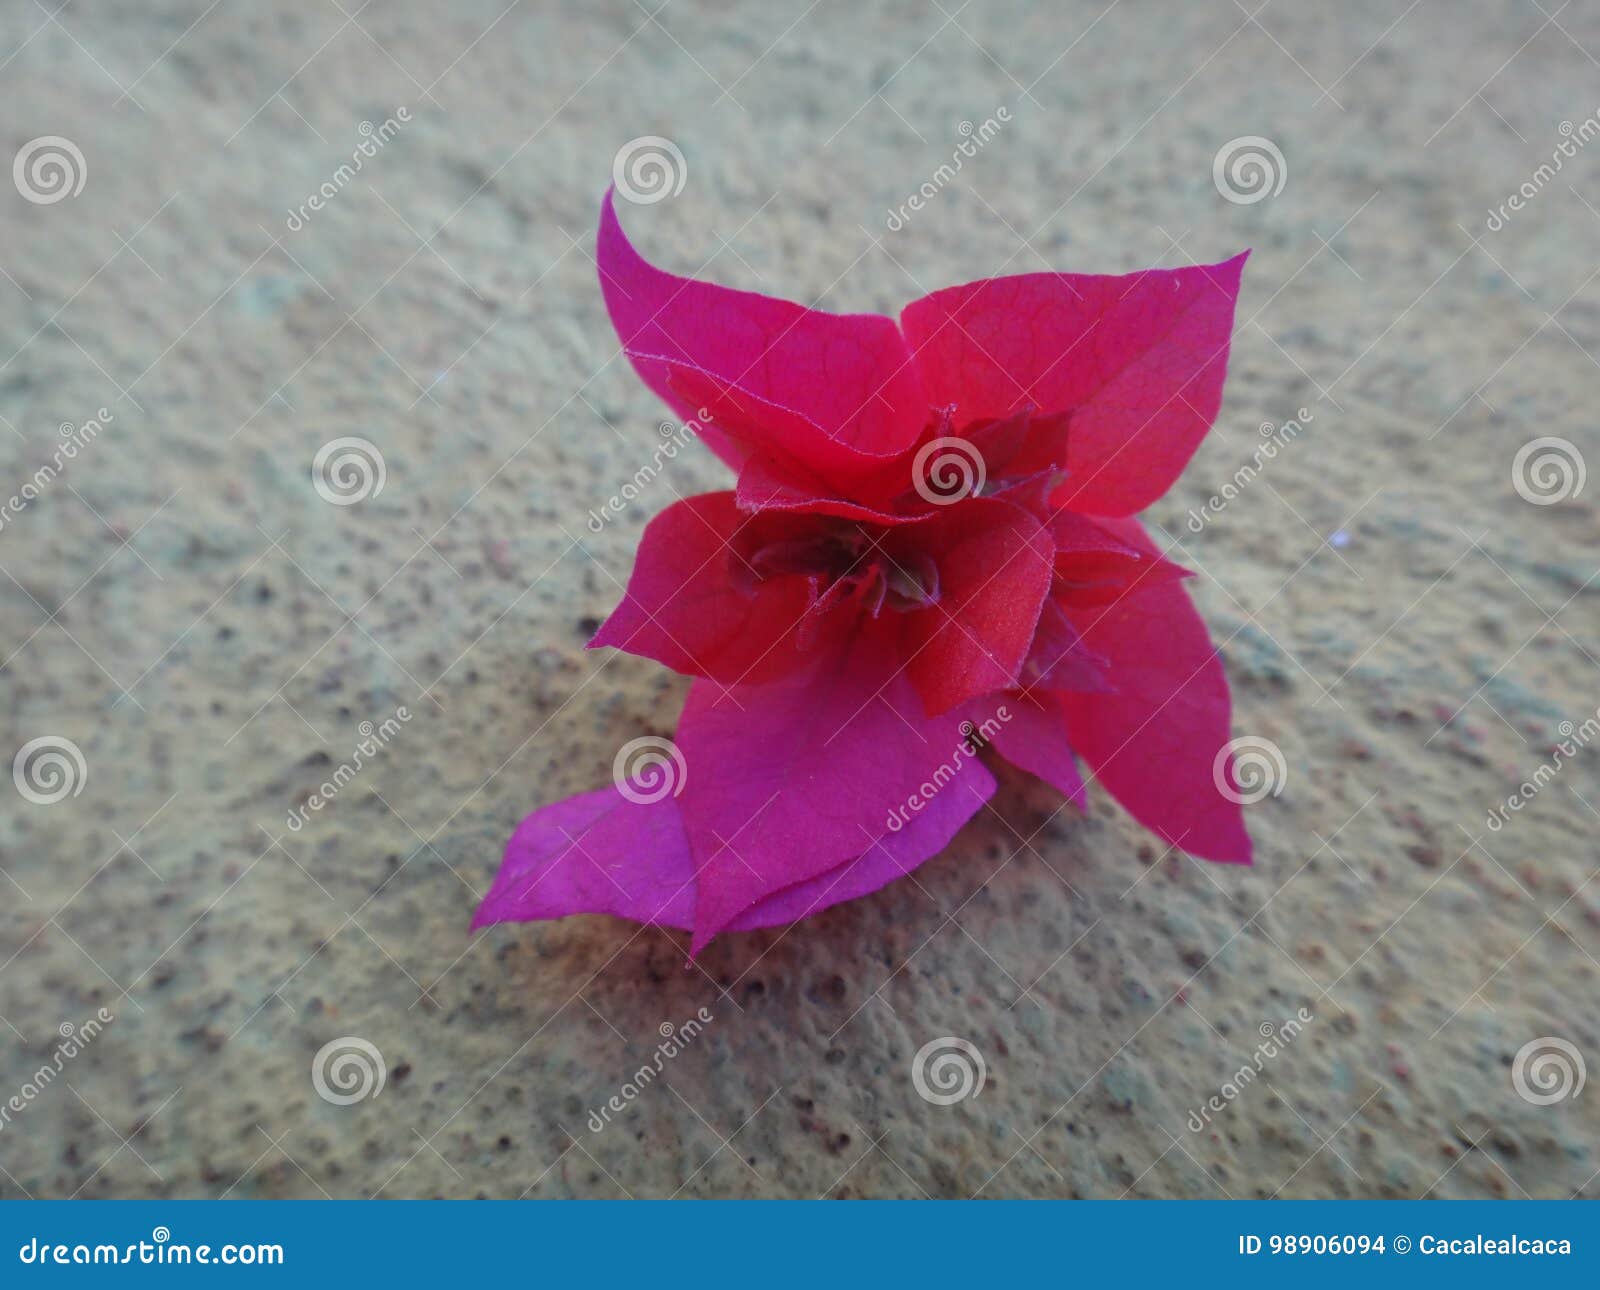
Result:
929,553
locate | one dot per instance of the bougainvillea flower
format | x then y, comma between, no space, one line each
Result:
928,558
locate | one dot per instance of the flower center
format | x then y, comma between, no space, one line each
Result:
849,564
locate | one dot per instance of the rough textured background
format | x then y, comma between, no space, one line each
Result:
182,605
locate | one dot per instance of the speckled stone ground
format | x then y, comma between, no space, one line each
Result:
180,603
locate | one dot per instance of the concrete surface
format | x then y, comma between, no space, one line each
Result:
182,604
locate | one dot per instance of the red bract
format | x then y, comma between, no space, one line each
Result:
929,550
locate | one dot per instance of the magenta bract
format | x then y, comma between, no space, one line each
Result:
928,554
